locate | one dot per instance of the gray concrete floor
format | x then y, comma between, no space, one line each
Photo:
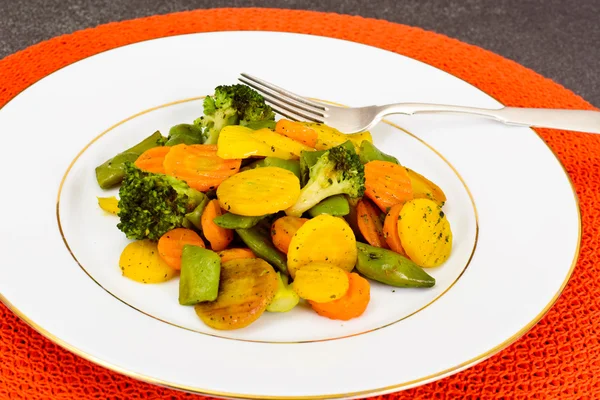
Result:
560,39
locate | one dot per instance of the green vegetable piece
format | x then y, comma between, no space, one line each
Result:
232,105
310,158
195,217
112,172
234,221
184,133
200,273
258,239
337,171
336,206
391,268
256,125
152,204
290,165
285,298
368,152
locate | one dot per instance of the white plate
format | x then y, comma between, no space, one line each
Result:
512,209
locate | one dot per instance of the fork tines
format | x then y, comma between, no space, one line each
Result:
286,103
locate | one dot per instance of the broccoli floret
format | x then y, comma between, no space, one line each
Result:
232,105
153,204
337,171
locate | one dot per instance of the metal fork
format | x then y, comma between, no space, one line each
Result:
352,120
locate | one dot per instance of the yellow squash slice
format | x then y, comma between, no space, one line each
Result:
425,232
259,191
324,239
321,282
140,261
247,286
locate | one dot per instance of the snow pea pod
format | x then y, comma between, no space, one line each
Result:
184,133
112,172
258,239
368,152
234,221
290,165
336,206
391,268
194,217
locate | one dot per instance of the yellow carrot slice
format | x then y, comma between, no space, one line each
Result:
140,261
109,204
246,288
259,191
321,282
236,142
323,239
425,232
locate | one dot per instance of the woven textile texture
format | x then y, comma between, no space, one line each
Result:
558,359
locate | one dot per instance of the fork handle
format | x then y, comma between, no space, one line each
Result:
572,120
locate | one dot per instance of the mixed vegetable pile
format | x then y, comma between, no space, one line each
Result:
256,215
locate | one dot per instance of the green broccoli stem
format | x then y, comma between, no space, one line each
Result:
310,196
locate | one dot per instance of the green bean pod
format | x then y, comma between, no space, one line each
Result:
290,165
112,172
336,206
259,241
391,268
184,133
234,221
368,152
195,217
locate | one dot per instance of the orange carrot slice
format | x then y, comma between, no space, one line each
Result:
297,132
390,229
199,166
353,304
369,223
387,184
170,245
283,229
218,237
235,254
152,159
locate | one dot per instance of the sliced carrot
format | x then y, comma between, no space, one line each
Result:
297,132
353,304
369,223
235,254
170,245
218,237
199,166
152,160
283,229
387,184
390,229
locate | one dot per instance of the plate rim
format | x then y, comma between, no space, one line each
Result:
383,390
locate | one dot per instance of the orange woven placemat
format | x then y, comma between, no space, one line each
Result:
558,358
